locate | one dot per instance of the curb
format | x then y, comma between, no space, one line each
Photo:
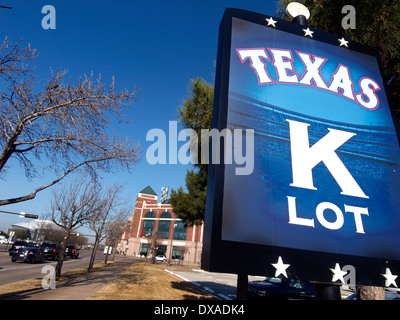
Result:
219,296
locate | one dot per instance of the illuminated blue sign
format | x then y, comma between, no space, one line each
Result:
326,177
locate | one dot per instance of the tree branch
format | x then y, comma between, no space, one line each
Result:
32,195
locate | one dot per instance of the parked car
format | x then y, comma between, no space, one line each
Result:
4,241
33,244
71,251
17,245
28,254
161,258
51,251
279,288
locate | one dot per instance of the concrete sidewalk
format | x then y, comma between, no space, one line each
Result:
79,287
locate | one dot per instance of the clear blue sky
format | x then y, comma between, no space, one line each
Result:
157,46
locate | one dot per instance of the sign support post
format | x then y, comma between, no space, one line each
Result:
327,291
241,288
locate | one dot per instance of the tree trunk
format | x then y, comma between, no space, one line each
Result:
61,257
370,293
106,257
63,247
93,255
114,251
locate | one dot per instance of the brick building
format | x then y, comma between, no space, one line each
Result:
150,217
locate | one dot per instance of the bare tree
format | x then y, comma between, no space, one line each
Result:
108,203
77,239
154,243
370,293
117,226
182,252
72,206
64,122
50,232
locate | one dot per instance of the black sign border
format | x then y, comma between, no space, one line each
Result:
247,258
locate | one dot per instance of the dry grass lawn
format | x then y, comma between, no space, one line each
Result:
149,282
140,282
20,286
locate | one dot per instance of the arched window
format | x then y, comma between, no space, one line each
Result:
163,228
164,225
180,231
150,215
165,215
148,225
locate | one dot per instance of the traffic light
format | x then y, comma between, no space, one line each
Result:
22,214
33,216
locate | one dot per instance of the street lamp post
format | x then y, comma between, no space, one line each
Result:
172,242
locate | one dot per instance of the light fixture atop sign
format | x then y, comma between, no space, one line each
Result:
298,13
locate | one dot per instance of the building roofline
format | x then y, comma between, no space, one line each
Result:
148,190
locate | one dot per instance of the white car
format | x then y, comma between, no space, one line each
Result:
4,241
161,258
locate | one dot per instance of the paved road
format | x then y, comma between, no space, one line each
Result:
82,286
16,271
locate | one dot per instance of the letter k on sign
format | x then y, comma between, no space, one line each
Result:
304,158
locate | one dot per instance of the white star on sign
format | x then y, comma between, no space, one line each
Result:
308,32
343,42
338,274
280,267
271,22
390,278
